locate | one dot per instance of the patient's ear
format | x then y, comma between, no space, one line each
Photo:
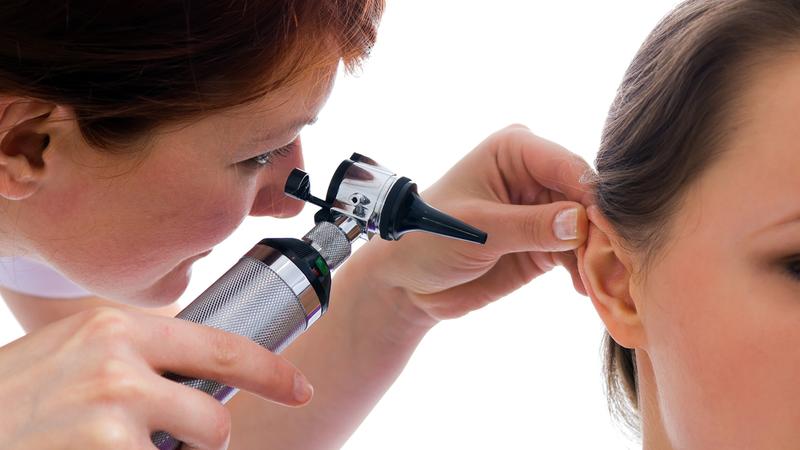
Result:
605,269
28,128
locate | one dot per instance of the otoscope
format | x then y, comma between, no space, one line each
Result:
278,289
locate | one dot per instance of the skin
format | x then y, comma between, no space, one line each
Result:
513,186
714,317
112,210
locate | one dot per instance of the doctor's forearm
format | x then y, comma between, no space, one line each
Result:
351,356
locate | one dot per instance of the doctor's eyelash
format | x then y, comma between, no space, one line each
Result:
266,159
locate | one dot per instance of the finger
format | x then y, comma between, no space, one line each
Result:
552,165
552,227
507,275
570,262
81,430
188,415
198,351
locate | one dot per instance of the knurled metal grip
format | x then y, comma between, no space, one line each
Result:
267,298
253,301
333,241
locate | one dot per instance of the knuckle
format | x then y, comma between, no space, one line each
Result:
515,133
225,349
221,426
108,431
510,138
116,382
107,325
533,228
518,126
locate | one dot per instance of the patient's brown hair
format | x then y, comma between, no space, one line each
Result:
127,67
672,112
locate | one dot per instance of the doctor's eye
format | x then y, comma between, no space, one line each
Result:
266,159
793,267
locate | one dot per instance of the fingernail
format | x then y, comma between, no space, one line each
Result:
302,388
565,226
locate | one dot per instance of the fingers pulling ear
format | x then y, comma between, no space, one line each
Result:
25,128
605,270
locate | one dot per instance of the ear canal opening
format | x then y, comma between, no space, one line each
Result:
29,144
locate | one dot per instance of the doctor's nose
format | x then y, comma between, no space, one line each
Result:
270,199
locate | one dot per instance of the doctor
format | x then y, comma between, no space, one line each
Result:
135,138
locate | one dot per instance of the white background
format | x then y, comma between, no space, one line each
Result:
522,373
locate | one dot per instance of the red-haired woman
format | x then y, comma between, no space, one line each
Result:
125,125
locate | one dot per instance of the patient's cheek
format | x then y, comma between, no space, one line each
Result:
702,329
674,310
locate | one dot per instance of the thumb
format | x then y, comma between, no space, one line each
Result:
551,227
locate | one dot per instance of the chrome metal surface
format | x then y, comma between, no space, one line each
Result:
331,242
362,193
252,300
294,278
350,227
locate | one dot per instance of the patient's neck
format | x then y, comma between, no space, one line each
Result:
654,436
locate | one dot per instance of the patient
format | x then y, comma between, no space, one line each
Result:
693,257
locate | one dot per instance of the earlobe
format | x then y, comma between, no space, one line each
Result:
606,272
25,128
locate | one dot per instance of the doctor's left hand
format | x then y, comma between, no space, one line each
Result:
526,193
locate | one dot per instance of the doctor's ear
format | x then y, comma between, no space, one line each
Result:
28,128
606,269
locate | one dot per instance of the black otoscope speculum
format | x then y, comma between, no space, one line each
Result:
282,286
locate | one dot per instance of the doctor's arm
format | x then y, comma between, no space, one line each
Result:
524,191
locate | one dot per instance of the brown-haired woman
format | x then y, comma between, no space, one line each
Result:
133,139
693,258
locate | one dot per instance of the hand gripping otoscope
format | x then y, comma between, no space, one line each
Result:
282,286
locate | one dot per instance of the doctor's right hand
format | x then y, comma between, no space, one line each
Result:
93,381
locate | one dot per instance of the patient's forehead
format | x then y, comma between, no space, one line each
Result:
756,179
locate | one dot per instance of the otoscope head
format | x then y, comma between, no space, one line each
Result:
380,201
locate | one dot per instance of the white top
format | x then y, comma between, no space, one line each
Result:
27,276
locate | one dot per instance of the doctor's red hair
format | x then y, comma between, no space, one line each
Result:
127,67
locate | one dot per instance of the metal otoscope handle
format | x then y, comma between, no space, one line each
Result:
279,288
268,298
